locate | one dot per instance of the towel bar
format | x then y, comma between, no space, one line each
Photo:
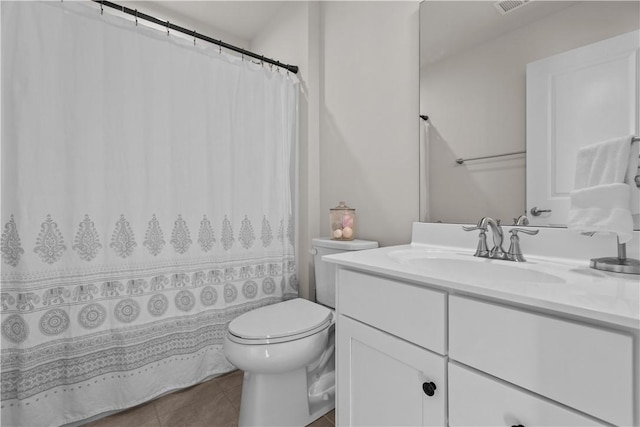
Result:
461,160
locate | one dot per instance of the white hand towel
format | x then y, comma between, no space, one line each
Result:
600,201
602,209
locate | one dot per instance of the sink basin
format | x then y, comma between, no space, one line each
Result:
465,266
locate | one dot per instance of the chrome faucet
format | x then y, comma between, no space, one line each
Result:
497,252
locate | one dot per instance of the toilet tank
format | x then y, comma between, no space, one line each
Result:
325,272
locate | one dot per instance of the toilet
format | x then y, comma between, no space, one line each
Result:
286,350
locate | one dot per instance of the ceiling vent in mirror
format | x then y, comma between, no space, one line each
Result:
507,6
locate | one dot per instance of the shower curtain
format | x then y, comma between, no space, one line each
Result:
148,198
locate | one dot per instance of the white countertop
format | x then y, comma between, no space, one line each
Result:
567,286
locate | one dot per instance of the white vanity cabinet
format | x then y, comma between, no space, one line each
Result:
390,340
492,363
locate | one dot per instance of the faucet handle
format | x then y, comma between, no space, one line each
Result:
481,250
482,225
514,231
515,253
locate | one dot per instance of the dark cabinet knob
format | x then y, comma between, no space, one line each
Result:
429,388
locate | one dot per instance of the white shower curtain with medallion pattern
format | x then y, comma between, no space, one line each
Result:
147,199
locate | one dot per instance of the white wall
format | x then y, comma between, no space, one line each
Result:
369,115
476,103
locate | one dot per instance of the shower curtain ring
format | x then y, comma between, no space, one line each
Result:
243,54
194,37
136,17
262,61
220,46
167,27
101,8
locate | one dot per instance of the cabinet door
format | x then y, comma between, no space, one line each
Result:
380,379
479,400
580,97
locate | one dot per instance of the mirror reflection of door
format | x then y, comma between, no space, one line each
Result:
576,98
473,63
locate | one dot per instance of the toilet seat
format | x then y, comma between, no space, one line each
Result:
286,321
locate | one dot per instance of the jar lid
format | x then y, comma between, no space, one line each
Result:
342,207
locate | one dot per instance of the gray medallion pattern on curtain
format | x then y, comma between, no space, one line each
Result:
153,238
246,235
158,305
268,286
266,236
180,237
92,315
50,243
141,214
123,241
208,296
127,310
10,245
206,237
54,322
15,329
227,234
87,241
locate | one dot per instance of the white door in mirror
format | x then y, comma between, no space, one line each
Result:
576,98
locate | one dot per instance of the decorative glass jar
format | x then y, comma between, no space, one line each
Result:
342,222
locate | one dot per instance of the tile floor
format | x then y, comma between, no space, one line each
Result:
215,403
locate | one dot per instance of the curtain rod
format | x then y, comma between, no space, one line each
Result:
194,34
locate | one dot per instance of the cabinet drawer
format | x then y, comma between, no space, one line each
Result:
477,400
414,313
583,367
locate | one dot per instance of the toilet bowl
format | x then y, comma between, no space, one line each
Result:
274,345
286,351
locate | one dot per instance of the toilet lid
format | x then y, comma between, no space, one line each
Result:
294,318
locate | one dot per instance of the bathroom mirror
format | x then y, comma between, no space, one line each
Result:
473,57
